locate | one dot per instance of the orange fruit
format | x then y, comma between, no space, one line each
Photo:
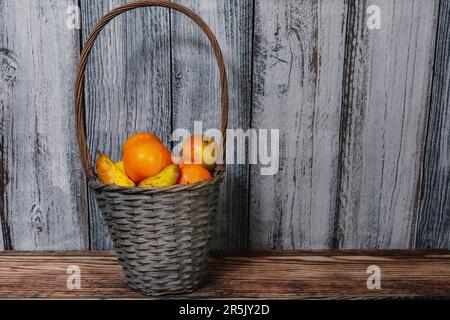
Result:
193,173
182,164
138,137
199,149
146,158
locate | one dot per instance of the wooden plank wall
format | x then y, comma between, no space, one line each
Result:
44,205
386,95
363,117
433,226
299,51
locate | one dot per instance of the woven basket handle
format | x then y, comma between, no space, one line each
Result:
79,82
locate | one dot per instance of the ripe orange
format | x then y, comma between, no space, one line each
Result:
199,149
145,159
193,173
138,137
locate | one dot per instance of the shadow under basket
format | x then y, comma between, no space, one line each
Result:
161,235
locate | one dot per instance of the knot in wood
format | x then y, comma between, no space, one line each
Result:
8,66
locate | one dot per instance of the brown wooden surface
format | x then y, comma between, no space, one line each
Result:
276,275
363,117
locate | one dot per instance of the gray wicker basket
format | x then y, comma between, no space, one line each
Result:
161,235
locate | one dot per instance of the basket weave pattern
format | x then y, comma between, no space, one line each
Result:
161,235
161,238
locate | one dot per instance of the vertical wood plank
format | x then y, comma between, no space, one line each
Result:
5,77
196,92
44,194
127,86
385,107
433,229
299,48
8,74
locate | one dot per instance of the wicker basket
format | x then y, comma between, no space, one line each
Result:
161,235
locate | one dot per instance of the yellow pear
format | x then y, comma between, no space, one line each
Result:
109,173
120,166
166,178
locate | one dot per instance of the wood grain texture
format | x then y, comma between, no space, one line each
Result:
2,245
276,275
385,106
299,49
433,229
196,95
8,71
127,86
43,202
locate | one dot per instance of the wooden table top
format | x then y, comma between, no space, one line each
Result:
273,275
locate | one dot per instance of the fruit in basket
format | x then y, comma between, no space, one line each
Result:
182,164
146,158
120,166
138,137
199,149
166,178
193,173
109,173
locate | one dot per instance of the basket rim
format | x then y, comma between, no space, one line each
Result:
98,186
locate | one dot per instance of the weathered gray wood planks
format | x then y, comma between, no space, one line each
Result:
127,85
2,246
8,73
8,68
364,122
433,230
299,50
196,95
43,204
385,108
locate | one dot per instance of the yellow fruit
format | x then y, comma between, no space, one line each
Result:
167,178
109,173
120,166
